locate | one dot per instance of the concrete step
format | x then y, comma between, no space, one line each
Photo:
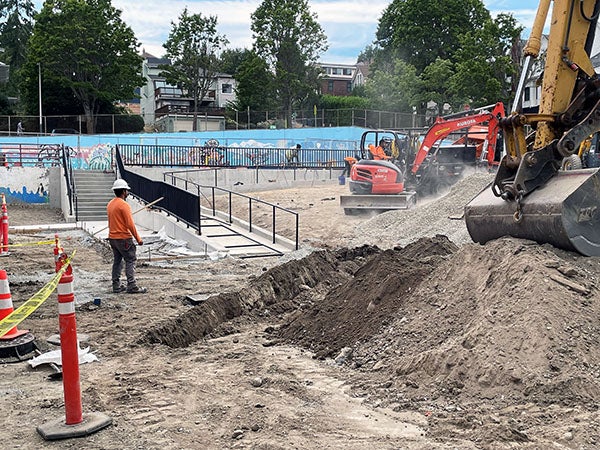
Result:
94,191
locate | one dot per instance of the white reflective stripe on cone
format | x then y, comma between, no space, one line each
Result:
66,308
4,287
65,288
6,303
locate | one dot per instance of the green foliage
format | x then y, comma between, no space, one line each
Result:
460,53
88,56
368,54
419,31
5,108
436,78
193,47
129,123
254,88
289,39
15,30
343,102
231,59
394,90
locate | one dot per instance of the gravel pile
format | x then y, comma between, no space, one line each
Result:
431,217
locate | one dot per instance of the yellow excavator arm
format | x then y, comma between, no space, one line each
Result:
531,196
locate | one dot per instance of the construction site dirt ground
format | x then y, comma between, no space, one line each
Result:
385,332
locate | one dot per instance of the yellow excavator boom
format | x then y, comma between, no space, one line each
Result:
531,197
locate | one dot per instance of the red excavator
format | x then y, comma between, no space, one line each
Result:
425,160
388,175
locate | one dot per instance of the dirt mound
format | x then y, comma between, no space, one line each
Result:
357,309
432,216
278,290
509,321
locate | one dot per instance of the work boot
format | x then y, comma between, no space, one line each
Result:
136,290
118,289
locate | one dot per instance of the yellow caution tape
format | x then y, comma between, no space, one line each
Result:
27,308
23,244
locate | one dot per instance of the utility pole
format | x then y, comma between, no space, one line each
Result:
40,93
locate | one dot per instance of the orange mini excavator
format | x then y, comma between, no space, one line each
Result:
389,175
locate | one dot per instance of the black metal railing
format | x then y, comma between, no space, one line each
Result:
66,155
187,206
246,204
195,156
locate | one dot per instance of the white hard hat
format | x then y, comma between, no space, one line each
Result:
120,184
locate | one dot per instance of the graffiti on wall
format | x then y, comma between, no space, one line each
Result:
24,184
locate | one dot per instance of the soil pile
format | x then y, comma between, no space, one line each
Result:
432,216
357,309
510,321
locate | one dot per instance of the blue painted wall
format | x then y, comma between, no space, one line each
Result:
26,184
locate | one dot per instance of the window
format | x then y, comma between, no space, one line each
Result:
348,86
226,88
330,86
527,95
347,71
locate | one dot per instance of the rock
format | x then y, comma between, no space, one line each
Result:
257,382
237,434
345,354
568,436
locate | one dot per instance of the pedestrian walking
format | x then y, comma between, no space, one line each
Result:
121,235
20,128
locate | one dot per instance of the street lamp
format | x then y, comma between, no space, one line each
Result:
40,92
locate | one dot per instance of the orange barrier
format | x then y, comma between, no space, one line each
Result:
76,423
69,347
6,307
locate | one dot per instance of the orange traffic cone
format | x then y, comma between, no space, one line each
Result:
6,307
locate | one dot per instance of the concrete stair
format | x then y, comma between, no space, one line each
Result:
94,191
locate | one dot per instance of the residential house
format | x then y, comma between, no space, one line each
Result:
337,78
160,99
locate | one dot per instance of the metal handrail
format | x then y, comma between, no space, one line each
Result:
65,155
230,194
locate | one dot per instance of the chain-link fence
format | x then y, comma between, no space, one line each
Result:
234,120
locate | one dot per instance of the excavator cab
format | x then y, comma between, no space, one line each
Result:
535,195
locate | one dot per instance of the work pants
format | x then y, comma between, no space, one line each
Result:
123,249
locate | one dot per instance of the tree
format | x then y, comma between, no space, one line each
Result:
419,31
231,59
254,84
289,38
86,52
193,46
460,53
394,90
15,31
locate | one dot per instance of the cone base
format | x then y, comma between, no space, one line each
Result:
17,349
58,429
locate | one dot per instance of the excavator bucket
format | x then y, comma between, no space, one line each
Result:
565,212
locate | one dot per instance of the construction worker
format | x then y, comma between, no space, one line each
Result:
378,152
121,233
292,155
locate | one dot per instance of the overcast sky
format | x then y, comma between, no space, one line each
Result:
350,25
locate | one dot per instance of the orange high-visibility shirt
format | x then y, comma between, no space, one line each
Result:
377,152
120,220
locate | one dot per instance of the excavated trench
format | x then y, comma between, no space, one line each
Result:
509,321
276,289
